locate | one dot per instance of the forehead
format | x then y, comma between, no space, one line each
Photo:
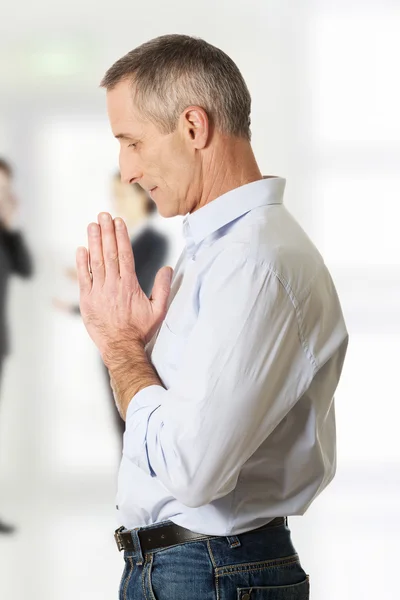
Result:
121,108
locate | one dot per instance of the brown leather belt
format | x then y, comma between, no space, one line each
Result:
169,535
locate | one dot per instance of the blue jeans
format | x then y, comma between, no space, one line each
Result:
258,565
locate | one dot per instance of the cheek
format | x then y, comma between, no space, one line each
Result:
179,166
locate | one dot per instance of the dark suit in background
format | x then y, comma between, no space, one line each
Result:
14,259
150,252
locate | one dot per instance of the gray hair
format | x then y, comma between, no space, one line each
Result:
172,72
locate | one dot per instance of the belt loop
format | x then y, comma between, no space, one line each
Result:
137,546
233,541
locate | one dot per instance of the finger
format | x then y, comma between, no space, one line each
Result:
82,268
96,260
125,253
161,290
109,243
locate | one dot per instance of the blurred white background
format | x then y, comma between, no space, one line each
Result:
326,95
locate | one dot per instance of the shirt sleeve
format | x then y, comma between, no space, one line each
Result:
244,368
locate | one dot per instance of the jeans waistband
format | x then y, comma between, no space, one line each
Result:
136,551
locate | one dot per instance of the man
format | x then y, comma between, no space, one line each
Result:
14,259
226,376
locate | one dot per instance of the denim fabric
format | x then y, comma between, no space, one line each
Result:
259,565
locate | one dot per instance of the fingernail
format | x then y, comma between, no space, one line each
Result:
105,217
119,223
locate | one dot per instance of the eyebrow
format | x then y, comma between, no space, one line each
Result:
124,136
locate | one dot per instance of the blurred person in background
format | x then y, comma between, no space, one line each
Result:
150,247
226,376
15,259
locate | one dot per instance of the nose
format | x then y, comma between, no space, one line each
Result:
129,168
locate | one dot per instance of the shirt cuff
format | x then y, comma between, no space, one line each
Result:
138,415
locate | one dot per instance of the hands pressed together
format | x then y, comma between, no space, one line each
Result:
116,312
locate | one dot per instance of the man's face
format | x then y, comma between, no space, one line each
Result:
163,164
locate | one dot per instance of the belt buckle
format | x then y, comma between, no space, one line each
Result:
118,538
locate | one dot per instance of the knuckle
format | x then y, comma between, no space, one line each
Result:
111,258
97,263
125,257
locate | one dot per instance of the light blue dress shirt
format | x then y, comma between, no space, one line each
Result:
250,354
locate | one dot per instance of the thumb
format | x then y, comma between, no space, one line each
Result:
161,290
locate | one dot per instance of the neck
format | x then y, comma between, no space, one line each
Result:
229,164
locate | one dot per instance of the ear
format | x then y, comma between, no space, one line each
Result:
196,126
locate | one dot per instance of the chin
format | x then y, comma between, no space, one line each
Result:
166,211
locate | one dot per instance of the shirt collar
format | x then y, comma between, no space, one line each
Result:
232,205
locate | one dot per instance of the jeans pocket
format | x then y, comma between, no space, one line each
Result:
125,579
295,591
147,583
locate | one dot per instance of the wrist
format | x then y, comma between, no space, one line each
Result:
130,372
118,355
